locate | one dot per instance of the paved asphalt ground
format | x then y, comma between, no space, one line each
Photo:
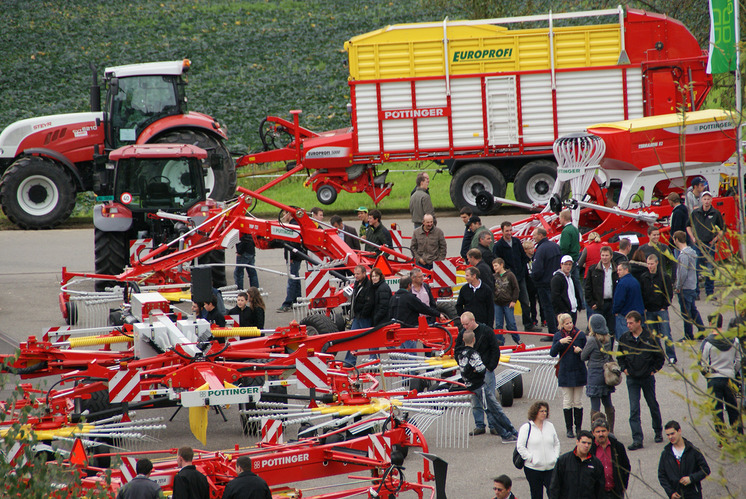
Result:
30,269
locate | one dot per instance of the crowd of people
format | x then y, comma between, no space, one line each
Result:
626,295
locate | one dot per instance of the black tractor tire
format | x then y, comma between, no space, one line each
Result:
448,309
37,193
505,394
535,180
326,194
112,255
518,387
223,175
218,272
473,178
72,314
320,323
98,402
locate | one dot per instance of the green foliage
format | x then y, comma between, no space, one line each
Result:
35,472
249,59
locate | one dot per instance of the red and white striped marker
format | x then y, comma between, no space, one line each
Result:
444,274
272,431
379,447
57,333
397,241
128,468
15,452
125,386
312,372
317,284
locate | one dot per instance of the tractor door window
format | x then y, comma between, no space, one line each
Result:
140,101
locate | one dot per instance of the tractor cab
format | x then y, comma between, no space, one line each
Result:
141,94
152,177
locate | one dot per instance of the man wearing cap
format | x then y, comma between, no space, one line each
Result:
707,229
613,456
476,228
362,215
419,202
694,193
565,289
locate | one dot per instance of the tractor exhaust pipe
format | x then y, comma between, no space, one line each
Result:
95,90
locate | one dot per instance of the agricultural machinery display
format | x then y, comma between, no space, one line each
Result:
45,161
488,102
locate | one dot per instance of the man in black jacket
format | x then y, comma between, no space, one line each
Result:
475,371
511,250
565,288
546,261
474,258
600,284
614,459
476,297
489,350
406,308
188,482
657,290
682,466
377,233
361,307
578,474
246,485
641,357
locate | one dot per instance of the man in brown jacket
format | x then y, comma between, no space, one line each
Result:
505,296
428,243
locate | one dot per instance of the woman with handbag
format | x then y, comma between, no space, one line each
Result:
539,447
572,375
596,355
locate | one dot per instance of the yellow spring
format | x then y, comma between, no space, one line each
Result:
243,332
86,341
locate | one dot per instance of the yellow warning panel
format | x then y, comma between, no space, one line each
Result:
413,50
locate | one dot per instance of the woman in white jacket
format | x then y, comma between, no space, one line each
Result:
539,446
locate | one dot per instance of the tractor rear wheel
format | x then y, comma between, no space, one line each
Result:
473,178
220,182
37,193
112,255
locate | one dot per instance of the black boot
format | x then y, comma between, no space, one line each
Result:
568,423
578,413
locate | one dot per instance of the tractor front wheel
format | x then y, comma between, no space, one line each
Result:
112,255
37,193
220,182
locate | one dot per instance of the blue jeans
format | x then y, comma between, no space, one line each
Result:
647,386
687,303
544,294
620,325
245,259
293,288
505,314
350,359
659,323
495,415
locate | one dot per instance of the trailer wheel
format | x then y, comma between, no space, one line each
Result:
505,394
321,323
220,181
326,194
112,254
535,180
518,387
473,178
448,308
37,193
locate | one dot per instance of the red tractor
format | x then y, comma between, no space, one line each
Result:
45,161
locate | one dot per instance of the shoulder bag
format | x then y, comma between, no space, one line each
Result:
612,372
517,458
